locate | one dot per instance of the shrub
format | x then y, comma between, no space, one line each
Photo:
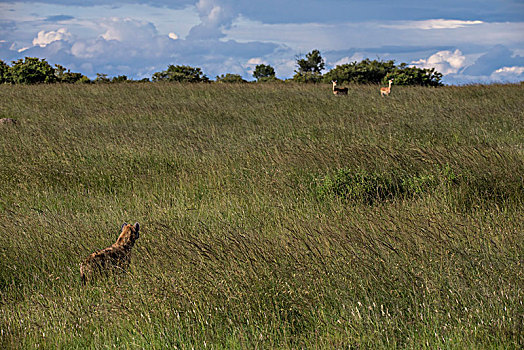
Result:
119,79
4,73
359,186
464,191
307,77
32,70
364,72
69,77
230,78
376,72
182,74
404,75
269,80
102,78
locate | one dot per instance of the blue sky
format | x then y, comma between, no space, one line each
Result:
468,41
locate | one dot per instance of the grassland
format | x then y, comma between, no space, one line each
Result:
272,216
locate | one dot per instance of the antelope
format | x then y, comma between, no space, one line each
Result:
386,91
339,91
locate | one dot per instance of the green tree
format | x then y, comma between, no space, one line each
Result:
264,72
309,68
312,63
4,73
59,71
69,77
379,72
404,75
364,72
101,78
119,79
84,80
230,78
32,70
272,79
182,74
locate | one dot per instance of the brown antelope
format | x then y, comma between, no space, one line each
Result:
339,91
386,90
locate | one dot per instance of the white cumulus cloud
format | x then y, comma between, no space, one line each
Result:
511,70
255,61
445,62
511,74
215,15
88,49
122,39
127,29
45,38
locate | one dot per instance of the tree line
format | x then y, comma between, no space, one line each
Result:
32,70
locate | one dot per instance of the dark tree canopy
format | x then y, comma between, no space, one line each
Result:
119,79
4,72
182,74
101,78
32,70
313,63
404,75
69,77
309,68
263,71
230,78
379,72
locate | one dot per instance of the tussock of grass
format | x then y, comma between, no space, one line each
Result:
363,187
462,190
272,216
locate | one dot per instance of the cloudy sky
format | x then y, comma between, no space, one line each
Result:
466,40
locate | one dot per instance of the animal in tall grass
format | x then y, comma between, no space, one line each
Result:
385,91
337,90
114,258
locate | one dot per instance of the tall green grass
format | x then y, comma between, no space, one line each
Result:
271,216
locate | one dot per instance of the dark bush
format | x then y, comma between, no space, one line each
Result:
32,70
230,78
181,74
263,71
4,73
377,72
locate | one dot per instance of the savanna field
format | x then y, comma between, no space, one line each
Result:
271,216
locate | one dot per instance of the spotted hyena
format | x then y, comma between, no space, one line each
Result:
115,257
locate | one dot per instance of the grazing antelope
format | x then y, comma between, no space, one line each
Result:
339,91
386,91
113,258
